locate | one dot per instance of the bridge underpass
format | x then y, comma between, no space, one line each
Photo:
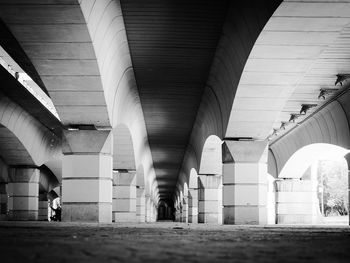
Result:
198,112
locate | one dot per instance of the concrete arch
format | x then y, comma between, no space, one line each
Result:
48,180
301,160
211,159
232,52
328,126
289,52
25,140
193,182
298,183
185,190
107,31
123,150
58,40
140,176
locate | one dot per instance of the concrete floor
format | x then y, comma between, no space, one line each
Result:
160,242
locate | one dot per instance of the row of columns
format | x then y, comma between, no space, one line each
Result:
20,199
248,195
88,181
92,191
239,196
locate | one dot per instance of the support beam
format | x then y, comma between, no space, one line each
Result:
87,176
124,204
208,186
23,190
244,182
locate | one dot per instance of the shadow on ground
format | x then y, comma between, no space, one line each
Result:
170,242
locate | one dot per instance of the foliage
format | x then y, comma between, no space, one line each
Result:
335,187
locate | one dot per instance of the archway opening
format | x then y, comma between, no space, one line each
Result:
332,190
165,210
312,187
210,182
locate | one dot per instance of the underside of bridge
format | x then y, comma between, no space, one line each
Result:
216,112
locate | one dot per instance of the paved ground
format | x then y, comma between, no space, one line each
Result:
160,242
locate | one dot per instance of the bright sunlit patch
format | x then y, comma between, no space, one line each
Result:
7,62
211,156
307,155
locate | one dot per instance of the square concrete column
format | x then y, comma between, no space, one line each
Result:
185,210
154,213
148,207
23,192
208,201
87,176
244,182
43,207
193,205
3,201
140,205
177,215
124,204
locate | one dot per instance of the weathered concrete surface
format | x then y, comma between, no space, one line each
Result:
159,242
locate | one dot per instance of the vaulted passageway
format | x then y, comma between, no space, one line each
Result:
141,89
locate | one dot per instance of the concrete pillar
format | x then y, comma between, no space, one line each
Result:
208,203
297,201
177,215
220,207
140,205
87,176
43,207
148,207
155,212
23,192
185,209
193,205
180,213
124,204
3,201
244,182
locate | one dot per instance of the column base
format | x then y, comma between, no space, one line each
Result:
208,218
43,211
124,217
244,215
87,212
23,215
193,219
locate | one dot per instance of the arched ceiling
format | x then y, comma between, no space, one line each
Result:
301,49
24,140
172,44
55,37
12,150
188,57
123,149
